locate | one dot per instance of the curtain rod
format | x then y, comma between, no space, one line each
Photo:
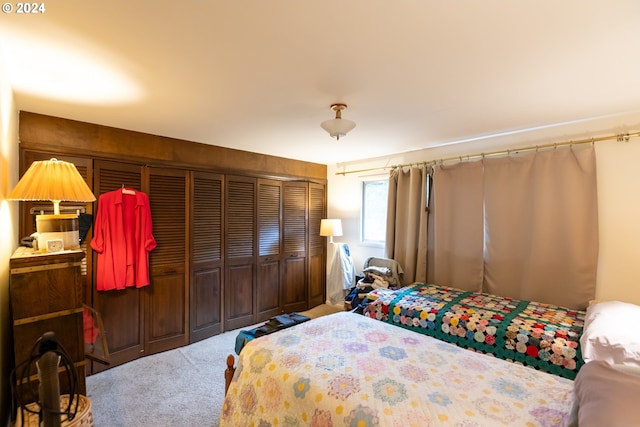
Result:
622,137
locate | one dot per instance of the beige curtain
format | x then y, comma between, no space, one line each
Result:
406,240
457,230
541,222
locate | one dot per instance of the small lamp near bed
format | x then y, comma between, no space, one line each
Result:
330,228
341,272
54,180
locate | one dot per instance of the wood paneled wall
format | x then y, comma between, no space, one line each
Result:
46,133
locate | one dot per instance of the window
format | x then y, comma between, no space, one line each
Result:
374,211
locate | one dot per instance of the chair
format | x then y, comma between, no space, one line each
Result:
387,269
396,278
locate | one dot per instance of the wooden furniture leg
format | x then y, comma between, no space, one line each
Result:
228,373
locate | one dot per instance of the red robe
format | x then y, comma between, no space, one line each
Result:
122,238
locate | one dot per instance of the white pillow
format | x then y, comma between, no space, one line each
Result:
612,333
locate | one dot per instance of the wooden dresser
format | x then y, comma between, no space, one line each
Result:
46,294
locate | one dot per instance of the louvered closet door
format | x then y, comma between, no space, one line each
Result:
316,258
122,311
166,310
269,248
207,240
294,277
240,251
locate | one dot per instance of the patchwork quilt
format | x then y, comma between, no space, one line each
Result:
542,336
349,370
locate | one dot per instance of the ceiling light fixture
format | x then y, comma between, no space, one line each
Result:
338,127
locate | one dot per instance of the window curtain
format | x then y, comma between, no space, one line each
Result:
457,230
541,224
523,226
406,239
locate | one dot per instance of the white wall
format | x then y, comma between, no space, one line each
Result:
8,227
618,196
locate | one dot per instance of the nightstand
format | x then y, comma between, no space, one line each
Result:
46,294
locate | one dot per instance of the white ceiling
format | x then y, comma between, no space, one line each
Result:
260,75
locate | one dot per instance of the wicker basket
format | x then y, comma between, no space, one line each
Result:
83,417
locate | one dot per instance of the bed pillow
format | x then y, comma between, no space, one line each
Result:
612,333
606,395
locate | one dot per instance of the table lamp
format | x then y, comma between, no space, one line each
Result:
331,227
56,181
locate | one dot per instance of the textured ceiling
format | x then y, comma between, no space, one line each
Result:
261,75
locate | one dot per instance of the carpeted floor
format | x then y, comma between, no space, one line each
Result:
181,387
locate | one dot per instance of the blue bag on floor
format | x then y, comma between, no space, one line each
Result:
276,323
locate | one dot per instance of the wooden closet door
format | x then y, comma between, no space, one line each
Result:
269,248
207,261
317,245
294,278
167,304
122,311
240,251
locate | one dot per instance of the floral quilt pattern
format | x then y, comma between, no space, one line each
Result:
349,370
541,336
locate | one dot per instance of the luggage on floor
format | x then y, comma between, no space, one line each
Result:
276,323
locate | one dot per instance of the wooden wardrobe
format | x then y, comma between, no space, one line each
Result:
237,233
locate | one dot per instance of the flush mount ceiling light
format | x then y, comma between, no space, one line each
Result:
338,127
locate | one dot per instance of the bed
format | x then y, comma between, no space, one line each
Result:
542,336
348,369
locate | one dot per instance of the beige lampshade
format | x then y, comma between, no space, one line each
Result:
53,180
57,181
331,227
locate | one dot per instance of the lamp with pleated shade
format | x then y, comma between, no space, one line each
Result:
56,181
